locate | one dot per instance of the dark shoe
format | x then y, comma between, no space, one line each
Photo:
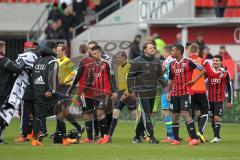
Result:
153,140
2,142
137,140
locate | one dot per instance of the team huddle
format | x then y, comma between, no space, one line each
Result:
43,82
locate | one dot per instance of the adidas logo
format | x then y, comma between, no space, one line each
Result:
39,80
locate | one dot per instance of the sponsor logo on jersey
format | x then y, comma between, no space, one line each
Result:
41,67
39,80
215,80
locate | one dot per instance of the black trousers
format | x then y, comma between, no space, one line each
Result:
27,115
145,122
2,100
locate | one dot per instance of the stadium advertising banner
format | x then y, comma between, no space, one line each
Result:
153,9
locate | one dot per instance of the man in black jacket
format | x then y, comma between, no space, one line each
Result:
45,81
144,78
7,70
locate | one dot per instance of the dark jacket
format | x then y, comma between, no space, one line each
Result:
45,78
7,69
145,76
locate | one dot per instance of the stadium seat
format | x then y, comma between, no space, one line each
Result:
204,3
237,13
231,3
229,12
198,3
208,3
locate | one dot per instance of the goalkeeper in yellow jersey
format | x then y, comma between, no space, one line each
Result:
65,77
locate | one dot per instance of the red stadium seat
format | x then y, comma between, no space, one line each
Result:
237,13
198,3
208,3
231,3
229,12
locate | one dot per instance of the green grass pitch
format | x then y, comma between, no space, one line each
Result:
122,147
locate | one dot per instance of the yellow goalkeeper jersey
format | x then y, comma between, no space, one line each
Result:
122,76
66,71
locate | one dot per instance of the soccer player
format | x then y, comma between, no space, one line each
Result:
180,74
100,79
145,76
218,81
123,96
165,104
81,79
199,99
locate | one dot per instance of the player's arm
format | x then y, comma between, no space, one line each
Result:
52,78
170,82
202,70
229,91
12,66
161,79
76,77
71,69
112,81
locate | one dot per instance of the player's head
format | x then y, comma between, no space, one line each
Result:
121,57
217,61
52,45
2,47
91,44
149,49
61,50
167,50
96,52
194,49
177,51
83,49
29,45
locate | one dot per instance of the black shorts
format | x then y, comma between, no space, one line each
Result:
120,104
216,109
101,102
180,103
199,101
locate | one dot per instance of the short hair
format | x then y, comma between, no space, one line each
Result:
83,48
145,45
51,44
123,54
222,47
219,57
187,45
168,49
138,36
97,47
93,42
194,48
2,44
180,48
64,47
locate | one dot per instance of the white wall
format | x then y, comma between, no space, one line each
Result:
19,17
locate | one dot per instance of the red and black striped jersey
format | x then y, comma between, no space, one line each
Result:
217,83
181,73
100,78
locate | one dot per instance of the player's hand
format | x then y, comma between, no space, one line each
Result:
229,105
168,96
114,96
190,83
124,96
82,95
48,94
